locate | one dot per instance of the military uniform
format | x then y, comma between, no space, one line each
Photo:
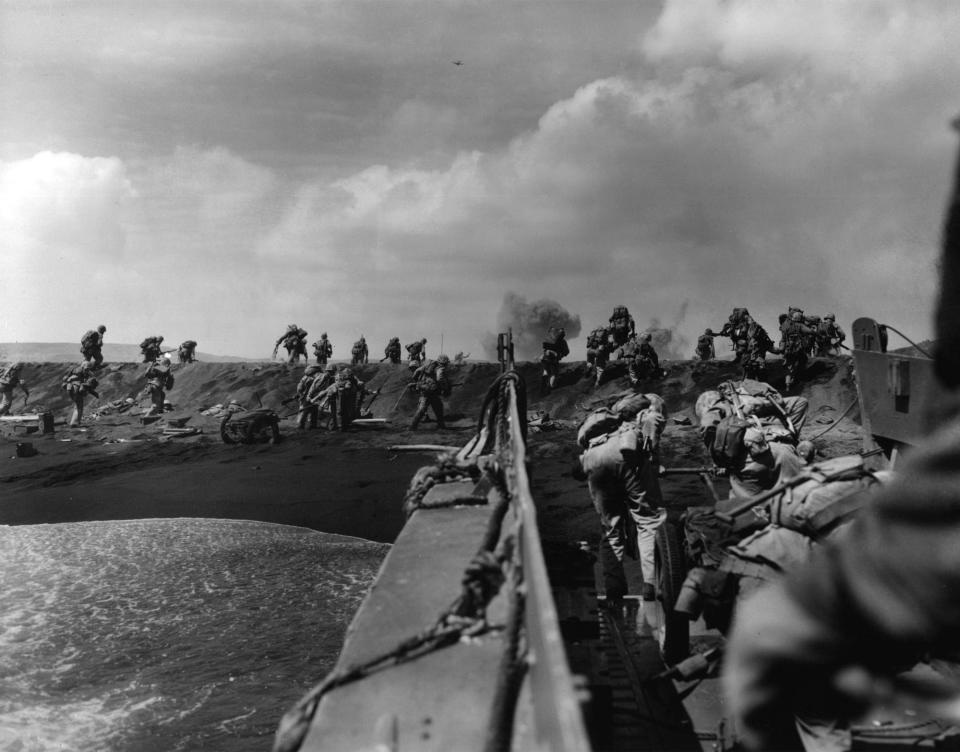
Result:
622,326
186,351
343,397
91,346
78,383
598,350
829,336
322,349
555,348
622,478
393,351
9,379
359,353
150,348
705,349
416,353
159,379
294,341
794,346
430,382
645,363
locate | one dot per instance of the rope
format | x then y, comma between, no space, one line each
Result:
922,351
447,469
491,567
834,424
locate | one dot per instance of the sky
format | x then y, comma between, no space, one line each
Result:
217,169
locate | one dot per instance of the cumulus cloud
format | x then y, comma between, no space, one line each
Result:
760,153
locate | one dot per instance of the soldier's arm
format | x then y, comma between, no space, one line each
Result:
880,600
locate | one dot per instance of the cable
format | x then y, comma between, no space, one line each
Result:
834,424
922,351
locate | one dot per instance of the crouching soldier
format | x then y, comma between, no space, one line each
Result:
294,341
416,353
359,353
392,351
150,348
621,473
430,382
91,346
79,382
159,379
9,379
186,351
555,348
705,348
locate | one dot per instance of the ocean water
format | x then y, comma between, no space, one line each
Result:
164,635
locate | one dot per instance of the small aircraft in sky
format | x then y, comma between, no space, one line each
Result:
458,62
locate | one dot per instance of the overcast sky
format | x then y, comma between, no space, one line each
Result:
216,169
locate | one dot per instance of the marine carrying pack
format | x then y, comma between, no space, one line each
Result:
728,448
89,339
601,421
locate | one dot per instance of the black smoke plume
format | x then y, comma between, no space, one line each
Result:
530,323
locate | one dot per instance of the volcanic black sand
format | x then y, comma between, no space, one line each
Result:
113,467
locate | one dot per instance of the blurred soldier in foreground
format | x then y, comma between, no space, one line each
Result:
829,638
91,346
9,379
555,348
150,348
393,351
416,353
79,382
431,383
322,349
359,353
186,351
621,472
705,349
159,379
294,341
830,336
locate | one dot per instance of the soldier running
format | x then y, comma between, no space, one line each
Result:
555,348
91,346
322,349
705,348
430,382
830,336
159,379
186,351
294,341
150,348
794,346
416,353
598,351
79,382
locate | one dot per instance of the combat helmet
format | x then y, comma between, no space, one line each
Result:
312,369
830,317
443,360
101,329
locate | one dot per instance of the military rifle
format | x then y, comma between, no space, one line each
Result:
705,473
793,482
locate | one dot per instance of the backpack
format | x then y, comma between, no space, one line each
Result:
728,448
148,342
89,339
168,382
357,348
598,423
188,345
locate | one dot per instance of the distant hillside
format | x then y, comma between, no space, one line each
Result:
69,352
